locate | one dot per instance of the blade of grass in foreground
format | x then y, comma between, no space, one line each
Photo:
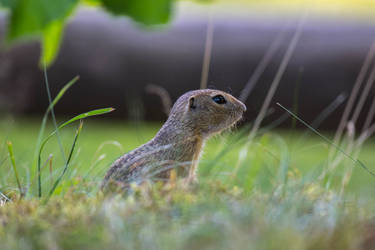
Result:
78,117
330,109
356,161
61,93
237,139
52,111
4,197
78,132
51,106
13,161
45,117
276,80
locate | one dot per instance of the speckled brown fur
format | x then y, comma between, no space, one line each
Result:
193,119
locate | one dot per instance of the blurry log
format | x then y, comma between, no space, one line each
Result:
116,60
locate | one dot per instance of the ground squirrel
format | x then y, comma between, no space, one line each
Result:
194,117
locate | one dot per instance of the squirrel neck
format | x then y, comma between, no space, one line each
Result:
186,143
176,132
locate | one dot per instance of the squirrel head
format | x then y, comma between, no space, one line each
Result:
207,111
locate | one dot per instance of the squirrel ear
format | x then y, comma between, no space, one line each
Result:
192,103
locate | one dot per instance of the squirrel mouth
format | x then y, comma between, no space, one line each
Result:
236,117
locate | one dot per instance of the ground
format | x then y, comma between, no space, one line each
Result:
269,194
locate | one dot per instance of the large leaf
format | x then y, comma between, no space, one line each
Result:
46,19
144,11
51,41
8,3
43,19
30,17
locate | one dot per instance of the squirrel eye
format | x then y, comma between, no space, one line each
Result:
219,99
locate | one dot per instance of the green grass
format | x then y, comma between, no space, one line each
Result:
271,199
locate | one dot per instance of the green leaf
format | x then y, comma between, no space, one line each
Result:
51,42
30,17
144,11
46,19
43,126
13,161
8,3
88,114
42,19
61,93
91,2
78,117
78,132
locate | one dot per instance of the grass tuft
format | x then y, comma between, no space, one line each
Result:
13,161
78,132
355,161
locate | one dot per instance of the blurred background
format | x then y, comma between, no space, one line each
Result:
264,184
117,58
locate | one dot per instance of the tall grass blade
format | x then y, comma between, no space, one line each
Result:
41,169
53,113
353,95
4,197
44,122
163,94
365,135
3,161
3,148
370,116
362,99
78,117
78,132
207,51
52,105
261,67
296,96
325,114
356,161
237,139
274,124
4,144
279,74
50,158
61,93
87,114
329,110
13,161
